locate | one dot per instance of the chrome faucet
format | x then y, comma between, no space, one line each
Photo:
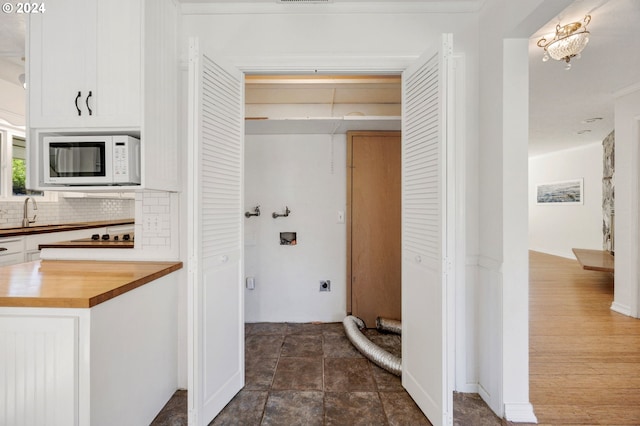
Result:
25,216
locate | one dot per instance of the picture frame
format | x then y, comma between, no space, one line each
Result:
566,192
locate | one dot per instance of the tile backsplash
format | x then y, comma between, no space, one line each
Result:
67,210
154,220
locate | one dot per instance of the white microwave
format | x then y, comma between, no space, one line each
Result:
91,160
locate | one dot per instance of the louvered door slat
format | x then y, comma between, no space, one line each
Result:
221,161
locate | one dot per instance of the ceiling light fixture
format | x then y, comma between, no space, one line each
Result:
567,43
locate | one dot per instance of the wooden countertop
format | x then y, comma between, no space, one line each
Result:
595,260
47,228
74,284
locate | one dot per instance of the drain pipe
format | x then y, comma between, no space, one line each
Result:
370,350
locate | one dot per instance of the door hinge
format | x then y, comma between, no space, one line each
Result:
447,266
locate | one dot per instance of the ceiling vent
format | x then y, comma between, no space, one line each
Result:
304,1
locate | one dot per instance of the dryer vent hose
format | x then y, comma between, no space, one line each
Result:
370,350
389,325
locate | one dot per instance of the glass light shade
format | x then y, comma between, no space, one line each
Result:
568,46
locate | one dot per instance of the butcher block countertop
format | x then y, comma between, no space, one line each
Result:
73,283
88,244
47,228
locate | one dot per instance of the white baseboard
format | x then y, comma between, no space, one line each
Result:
621,309
520,413
468,388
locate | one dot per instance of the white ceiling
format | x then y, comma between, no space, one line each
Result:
12,30
560,100
12,27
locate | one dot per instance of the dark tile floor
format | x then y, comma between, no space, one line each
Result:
310,374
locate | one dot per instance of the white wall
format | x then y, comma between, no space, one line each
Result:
557,228
12,102
307,173
627,234
502,288
307,37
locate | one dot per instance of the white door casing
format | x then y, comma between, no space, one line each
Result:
215,235
427,237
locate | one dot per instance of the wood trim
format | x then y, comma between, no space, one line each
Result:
350,136
45,229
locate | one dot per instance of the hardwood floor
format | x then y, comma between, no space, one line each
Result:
584,358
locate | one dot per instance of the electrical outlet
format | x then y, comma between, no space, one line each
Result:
325,285
151,223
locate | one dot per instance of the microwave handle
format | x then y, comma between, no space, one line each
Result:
77,107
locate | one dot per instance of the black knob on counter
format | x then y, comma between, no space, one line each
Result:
105,237
95,237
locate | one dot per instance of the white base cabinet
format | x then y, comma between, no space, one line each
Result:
25,248
38,359
113,364
11,250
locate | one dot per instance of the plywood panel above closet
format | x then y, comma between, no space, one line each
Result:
302,104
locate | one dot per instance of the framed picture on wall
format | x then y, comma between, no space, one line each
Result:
561,192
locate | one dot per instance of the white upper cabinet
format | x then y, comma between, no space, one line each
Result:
85,64
106,67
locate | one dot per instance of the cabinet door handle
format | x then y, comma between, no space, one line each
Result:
87,103
78,97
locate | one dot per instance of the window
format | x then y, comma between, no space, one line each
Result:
13,165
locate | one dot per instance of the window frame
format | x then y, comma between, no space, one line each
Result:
7,133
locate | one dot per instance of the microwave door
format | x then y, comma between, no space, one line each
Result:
61,162
89,162
78,163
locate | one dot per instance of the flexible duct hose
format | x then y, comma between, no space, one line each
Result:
370,350
392,326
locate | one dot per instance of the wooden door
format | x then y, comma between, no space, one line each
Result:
427,249
374,218
215,236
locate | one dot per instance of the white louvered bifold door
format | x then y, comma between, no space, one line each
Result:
424,234
215,258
